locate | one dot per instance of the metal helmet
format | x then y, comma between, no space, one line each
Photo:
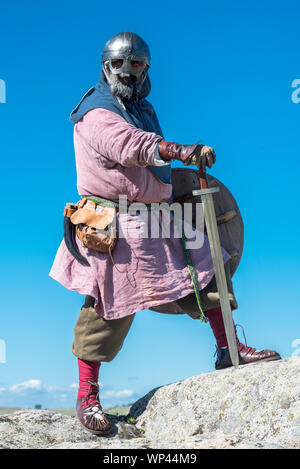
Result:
126,53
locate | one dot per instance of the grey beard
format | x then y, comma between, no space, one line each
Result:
121,90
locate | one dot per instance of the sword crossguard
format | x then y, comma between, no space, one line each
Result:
209,190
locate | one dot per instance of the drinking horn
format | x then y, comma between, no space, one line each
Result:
70,240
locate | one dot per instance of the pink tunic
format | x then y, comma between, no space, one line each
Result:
111,159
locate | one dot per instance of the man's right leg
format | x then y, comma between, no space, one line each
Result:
210,303
95,340
98,339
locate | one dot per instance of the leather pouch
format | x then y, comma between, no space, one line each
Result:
95,225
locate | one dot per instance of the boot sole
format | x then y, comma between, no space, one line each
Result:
96,432
267,359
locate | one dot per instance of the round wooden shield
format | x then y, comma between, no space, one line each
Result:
229,219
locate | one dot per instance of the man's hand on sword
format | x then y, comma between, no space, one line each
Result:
198,155
202,156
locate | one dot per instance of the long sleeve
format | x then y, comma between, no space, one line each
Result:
114,157
116,141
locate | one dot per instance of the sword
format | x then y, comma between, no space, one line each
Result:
216,254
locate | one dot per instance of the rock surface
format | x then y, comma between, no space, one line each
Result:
255,406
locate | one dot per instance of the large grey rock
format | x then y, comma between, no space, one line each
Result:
255,406
48,429
258,403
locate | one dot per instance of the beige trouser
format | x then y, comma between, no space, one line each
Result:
98,339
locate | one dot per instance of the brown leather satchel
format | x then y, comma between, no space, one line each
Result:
95,224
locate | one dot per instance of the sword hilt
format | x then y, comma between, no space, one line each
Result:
203,178
204,189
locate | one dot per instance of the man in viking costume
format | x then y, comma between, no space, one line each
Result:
120,151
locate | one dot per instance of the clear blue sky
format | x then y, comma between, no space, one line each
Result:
222,73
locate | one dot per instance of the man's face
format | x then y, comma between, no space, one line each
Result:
125,77
123,86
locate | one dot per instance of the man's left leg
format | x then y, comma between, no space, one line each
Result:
210,303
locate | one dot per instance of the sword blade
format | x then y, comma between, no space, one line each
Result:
217,257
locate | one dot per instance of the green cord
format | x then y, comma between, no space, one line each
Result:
193,275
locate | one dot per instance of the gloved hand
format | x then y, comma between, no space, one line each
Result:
199,155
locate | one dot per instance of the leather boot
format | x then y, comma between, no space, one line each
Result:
246,355
90,414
